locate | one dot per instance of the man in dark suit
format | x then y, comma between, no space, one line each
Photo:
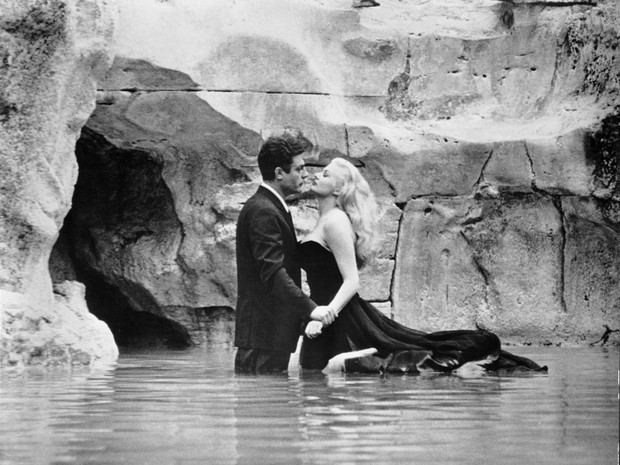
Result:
271,307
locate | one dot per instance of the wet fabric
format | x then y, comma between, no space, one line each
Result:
360,325
255,361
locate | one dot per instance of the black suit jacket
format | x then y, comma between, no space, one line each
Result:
271,307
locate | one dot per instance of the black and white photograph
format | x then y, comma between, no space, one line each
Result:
309,232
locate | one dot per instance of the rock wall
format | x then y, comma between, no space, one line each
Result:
488,129
51,53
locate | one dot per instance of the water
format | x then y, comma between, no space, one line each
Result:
188,407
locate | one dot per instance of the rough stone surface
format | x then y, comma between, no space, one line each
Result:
488,263
130,75
508,168
437,284
518,246
51,53
448,167
603,153
64,334
591,268
559,164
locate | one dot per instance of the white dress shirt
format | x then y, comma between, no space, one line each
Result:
277,195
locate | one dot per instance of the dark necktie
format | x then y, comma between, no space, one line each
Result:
290,219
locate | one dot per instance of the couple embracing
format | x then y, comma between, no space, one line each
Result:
340,330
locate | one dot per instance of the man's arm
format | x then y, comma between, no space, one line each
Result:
287,292
268,250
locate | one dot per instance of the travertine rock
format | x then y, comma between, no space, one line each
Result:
51,52
437,283
489,263
64,334
591,268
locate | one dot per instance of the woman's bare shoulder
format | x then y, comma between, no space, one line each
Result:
336,216
337,221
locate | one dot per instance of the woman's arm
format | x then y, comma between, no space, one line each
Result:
339,237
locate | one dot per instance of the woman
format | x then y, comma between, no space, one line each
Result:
362,338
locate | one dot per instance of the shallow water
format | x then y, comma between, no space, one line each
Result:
188,407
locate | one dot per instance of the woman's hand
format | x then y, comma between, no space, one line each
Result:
325,314
313,329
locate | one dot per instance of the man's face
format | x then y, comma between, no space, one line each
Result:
293,181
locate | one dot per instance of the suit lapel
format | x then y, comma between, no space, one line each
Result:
276,201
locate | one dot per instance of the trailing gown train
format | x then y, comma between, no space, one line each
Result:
360,325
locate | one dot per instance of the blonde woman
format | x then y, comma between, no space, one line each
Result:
361,338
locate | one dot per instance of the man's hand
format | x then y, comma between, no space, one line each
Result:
325,314
313,329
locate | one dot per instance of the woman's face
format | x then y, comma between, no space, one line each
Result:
325,182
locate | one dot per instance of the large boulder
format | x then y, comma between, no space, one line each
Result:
482,262
64,334
52,53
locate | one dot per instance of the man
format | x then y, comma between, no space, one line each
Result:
271,308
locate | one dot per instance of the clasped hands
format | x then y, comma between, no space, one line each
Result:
323,315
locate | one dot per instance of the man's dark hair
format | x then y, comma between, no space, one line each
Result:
278,151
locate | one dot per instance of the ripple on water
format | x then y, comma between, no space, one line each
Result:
182,407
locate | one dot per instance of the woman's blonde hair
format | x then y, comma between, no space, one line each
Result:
358,202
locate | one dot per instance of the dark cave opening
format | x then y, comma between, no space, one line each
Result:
131,328
119,197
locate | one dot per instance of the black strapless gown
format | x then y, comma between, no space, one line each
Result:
400,349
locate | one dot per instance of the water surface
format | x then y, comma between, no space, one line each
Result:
188,407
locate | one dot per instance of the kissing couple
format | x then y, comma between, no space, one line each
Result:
341,331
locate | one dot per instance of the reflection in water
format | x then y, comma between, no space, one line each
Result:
399,420
267,411
186,407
